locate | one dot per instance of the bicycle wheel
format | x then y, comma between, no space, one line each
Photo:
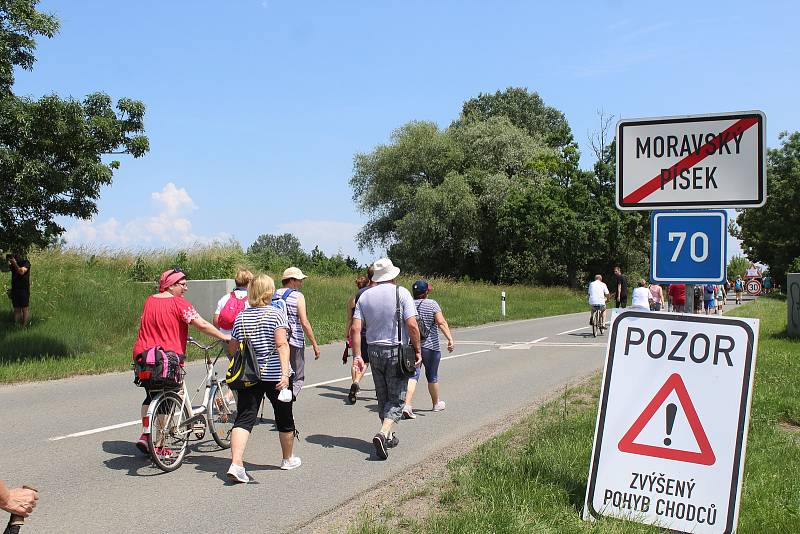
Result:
167,439
595,326
222,414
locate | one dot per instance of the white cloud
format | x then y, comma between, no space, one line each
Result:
330,236
166,228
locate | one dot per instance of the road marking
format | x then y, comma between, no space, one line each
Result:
96,430
566,344
317,384
538,340
461,342
573,330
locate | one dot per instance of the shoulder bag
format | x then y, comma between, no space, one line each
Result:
406,354
243,371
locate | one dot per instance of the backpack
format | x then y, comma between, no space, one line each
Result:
710,291
230,310
157,368
698,293
243,371
738,285
280,303
424,330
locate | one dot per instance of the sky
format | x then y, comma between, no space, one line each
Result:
255,108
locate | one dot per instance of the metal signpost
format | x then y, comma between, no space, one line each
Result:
670,450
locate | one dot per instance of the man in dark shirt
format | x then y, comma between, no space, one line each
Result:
621,294
20,292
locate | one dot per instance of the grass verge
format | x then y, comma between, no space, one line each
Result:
85,309
532,478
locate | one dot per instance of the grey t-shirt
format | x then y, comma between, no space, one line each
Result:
376,308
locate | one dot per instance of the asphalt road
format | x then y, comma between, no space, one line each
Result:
97,481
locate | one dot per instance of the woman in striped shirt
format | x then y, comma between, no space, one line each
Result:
431,315
266,326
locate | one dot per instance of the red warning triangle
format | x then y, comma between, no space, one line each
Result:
706,454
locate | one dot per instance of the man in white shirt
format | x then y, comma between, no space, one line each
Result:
598,295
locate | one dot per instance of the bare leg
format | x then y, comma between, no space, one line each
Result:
433,389
145,407
18,316
287,444
412,386
25,316
239,438
386,428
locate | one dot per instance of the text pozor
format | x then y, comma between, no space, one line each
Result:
678,346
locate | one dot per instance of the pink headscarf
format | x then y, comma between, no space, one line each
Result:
169,278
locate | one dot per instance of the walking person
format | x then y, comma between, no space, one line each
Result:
266,327
641,296
377,310
656,297
165,323
738,287
430,314
709,298
292,280
20,291
721,295
363,283
621,293
231,304
677,297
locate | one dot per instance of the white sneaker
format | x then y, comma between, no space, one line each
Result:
408,413
290,463
236,473
439,406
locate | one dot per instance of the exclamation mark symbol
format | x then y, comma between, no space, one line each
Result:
672,410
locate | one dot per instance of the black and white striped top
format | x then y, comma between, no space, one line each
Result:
427,310
259,324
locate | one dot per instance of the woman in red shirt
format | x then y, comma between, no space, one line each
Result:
165,322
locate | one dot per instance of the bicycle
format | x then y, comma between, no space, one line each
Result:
172,418
596,320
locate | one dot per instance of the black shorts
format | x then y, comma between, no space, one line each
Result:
20,299
249,400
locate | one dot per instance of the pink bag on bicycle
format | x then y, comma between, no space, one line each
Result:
157,368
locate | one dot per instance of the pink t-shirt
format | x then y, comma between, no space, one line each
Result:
655,292
165,322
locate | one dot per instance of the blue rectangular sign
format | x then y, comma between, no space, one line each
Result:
688,247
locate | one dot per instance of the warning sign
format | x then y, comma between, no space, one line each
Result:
697,161
672,423
705,456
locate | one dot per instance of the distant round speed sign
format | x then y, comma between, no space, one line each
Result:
753,287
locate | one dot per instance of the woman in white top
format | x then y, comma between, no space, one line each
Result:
641,297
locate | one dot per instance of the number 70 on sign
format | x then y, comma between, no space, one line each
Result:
688,246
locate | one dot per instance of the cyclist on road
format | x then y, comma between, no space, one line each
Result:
598,295
165,323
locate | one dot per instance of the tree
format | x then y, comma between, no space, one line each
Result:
737,267
51,149
769,233
286,245
525,110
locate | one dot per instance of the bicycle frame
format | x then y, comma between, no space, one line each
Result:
198,412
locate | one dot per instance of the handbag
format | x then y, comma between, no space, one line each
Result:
406,355
243,371
424,330
157,368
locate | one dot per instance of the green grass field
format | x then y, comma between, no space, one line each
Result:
85,307
532,478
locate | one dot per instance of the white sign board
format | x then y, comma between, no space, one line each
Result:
694,161
672,425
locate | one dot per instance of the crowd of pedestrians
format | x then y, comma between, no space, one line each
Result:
382,318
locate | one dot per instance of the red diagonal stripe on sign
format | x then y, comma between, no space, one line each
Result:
689,161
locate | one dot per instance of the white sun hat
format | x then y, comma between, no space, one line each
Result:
384,270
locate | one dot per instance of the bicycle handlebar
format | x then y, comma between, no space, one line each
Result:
206,348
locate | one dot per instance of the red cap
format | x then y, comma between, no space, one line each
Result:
169,278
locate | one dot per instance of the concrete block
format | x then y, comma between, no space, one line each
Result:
793,304
204,294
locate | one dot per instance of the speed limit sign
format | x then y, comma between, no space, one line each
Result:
753,287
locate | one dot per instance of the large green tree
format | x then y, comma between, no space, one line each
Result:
52,150
769,234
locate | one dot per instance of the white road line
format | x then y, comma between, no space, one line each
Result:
538,340
317,384
96,430
570,345
573,330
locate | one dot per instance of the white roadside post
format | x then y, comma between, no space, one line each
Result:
503,303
